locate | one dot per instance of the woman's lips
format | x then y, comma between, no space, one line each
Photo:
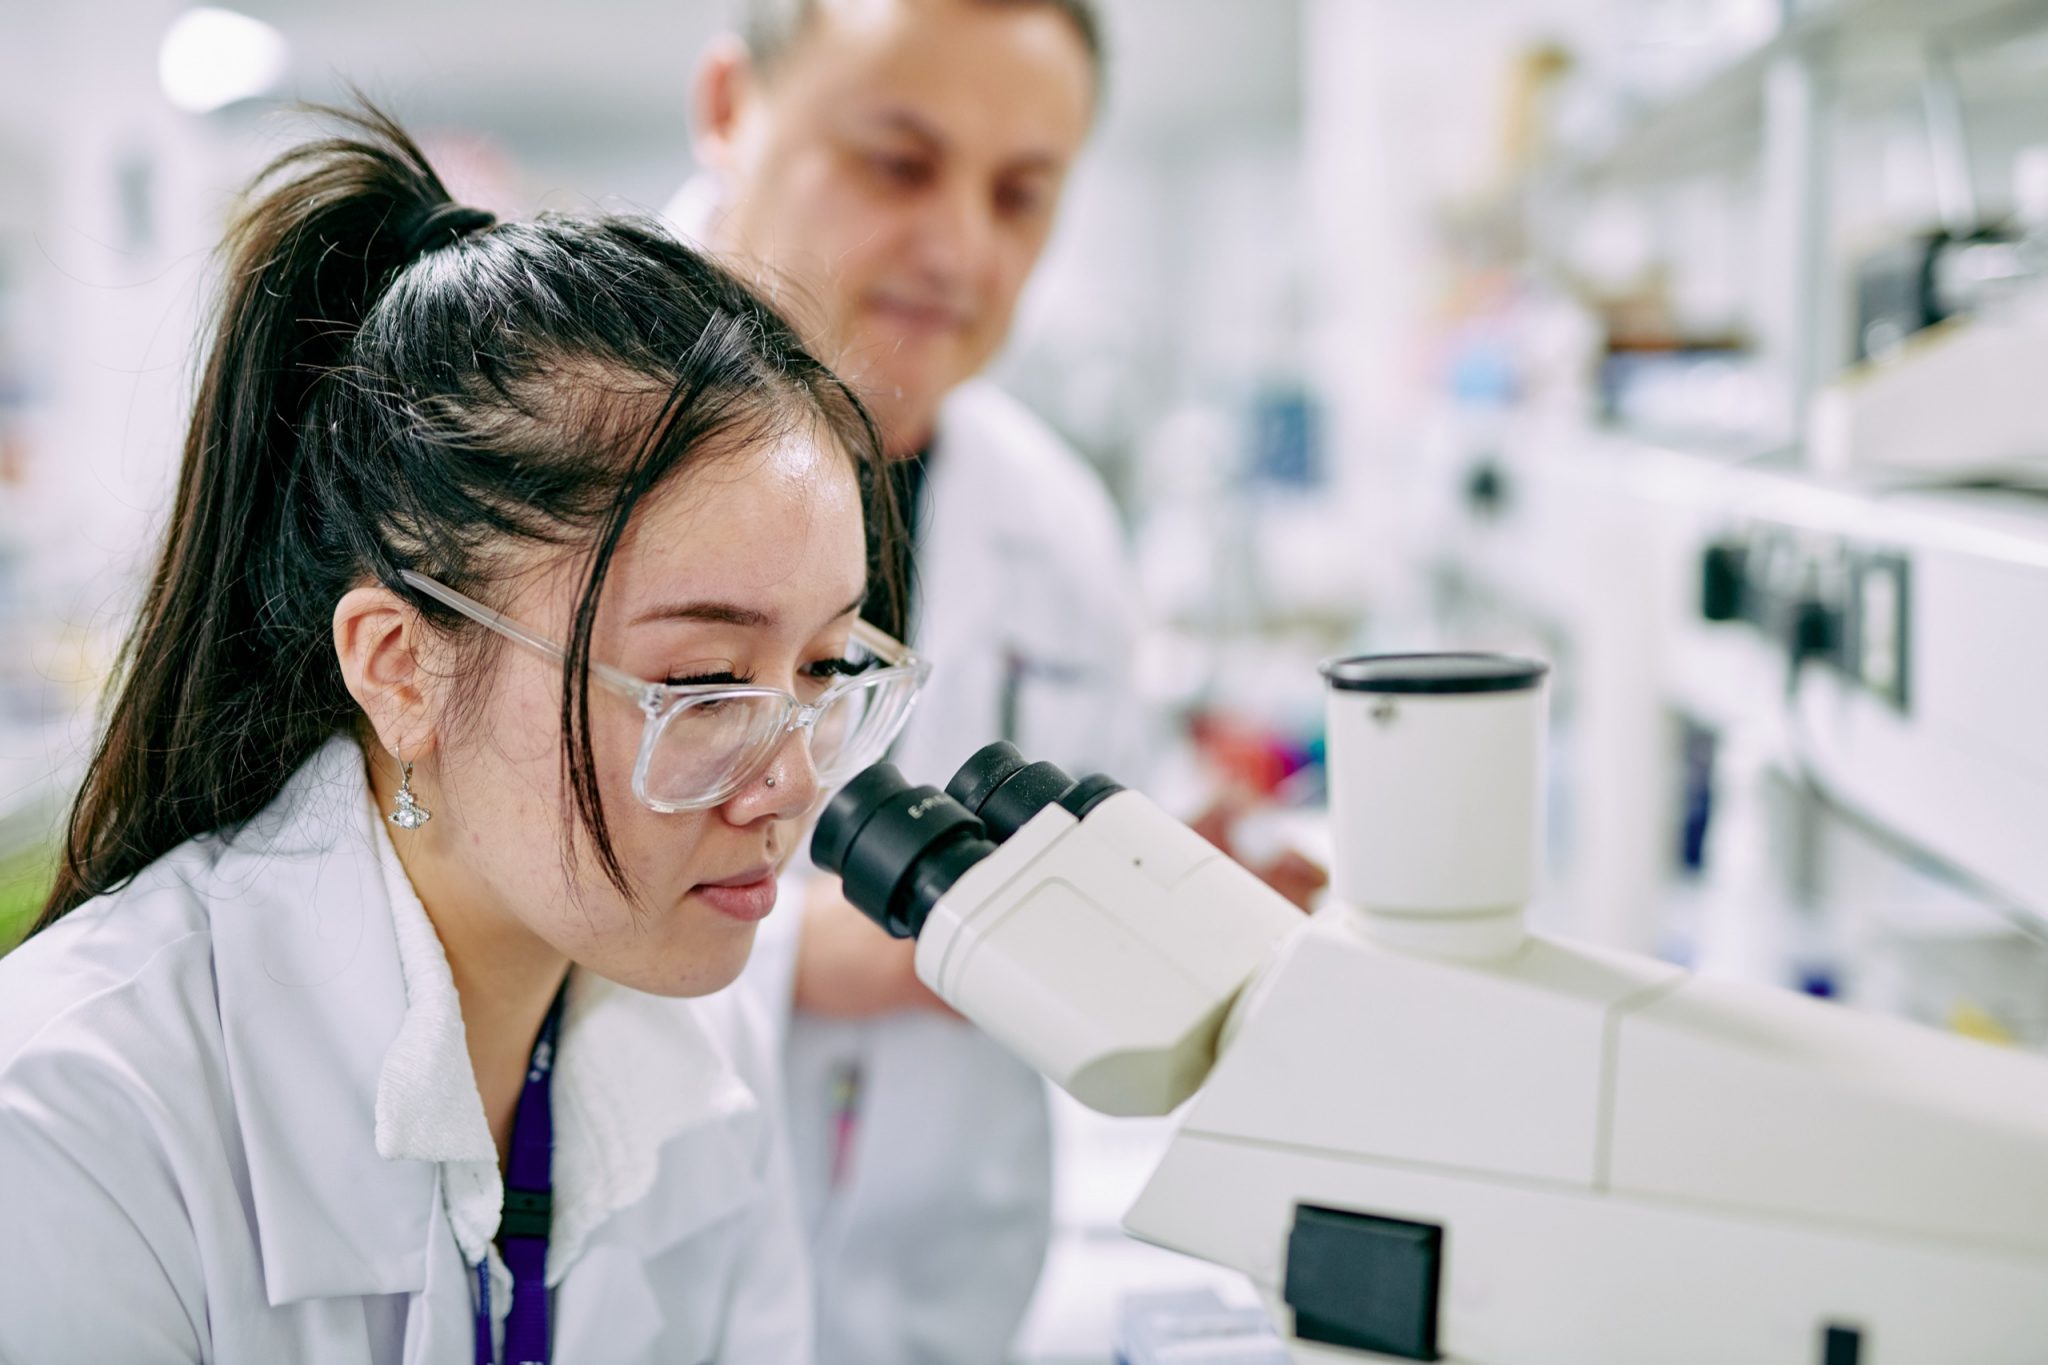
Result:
745,900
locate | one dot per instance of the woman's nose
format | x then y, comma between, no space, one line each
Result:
787,785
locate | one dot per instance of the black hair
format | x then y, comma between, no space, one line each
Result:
395,383
771,27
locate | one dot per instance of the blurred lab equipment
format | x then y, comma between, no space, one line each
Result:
1195,1327
1425,1132
1950,341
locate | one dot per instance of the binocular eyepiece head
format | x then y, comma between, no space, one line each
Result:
1004,791
898,848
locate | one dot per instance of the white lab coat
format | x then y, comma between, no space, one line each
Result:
929,1245
189,1070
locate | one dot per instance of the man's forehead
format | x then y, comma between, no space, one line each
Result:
837,29
859,13
867,11
1024,86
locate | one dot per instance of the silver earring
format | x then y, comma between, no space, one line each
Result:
410,813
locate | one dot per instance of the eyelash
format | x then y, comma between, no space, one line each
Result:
840,668
696,679
823,668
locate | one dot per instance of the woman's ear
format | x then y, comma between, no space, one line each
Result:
377,637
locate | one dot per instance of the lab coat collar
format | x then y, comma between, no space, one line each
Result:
642,1091
428,1108
693,213
655,1140
635,1073
313,986
311,995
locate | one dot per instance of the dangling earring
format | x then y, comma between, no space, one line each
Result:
410,813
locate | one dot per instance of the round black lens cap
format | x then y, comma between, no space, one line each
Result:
1434,674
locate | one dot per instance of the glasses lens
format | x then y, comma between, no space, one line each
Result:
706,748
859,725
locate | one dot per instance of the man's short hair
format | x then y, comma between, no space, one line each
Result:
772,27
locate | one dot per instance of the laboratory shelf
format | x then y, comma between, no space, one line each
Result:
1870,47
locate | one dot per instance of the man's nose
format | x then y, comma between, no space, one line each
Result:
955,231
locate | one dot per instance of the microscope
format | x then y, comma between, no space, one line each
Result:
1426,1133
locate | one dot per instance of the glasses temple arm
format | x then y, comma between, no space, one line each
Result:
887,646
504,625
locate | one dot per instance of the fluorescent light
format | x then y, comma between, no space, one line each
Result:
212,57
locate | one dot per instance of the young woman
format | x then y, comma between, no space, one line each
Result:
506,626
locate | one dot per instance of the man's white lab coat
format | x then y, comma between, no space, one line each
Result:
929,1198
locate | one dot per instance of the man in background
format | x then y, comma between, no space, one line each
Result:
890,171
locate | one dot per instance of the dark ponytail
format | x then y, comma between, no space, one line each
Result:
393,383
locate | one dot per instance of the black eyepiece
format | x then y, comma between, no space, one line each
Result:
896,847
991,766
1004,791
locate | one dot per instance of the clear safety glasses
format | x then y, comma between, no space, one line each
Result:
704,741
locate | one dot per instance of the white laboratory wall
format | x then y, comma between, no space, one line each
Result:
1403,114
1174,271
112,209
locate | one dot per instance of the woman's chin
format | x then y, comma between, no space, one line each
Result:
709,968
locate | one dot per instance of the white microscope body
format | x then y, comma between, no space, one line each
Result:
1426,1134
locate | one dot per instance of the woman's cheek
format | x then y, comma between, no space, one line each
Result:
662,853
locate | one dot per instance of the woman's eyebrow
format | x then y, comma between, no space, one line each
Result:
727,613
719,613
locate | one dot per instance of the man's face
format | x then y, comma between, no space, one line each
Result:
899,167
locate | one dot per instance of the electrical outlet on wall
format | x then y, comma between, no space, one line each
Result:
1878,656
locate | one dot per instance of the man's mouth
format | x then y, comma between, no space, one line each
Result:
919,314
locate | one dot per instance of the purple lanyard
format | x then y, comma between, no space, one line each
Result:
529,1197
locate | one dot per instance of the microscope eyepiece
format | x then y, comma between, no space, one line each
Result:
978,778
1004,791
896,847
